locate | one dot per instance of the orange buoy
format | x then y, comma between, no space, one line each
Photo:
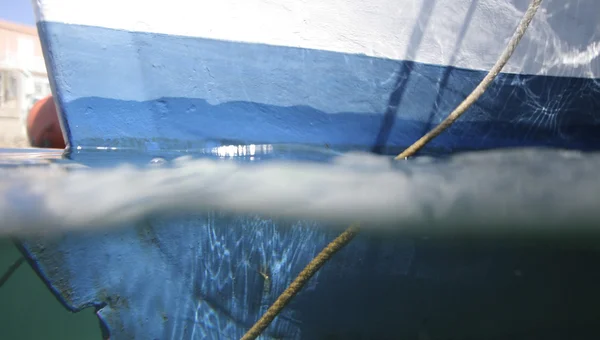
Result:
43,127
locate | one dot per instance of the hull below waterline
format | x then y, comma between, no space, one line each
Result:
211,276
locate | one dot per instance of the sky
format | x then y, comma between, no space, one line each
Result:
19,11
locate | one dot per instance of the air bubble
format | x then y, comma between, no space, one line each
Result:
157,162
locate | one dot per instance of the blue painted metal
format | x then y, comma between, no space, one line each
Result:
182,93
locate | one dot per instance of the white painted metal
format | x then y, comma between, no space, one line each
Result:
562,40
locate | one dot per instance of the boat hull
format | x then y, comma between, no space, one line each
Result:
346,74
150,82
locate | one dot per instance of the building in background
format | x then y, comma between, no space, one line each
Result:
23,76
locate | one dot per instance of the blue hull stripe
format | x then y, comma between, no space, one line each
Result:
143,90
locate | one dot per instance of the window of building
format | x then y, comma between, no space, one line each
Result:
8,90
11,89
38,89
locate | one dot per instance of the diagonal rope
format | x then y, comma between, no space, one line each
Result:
483,85
300,280
347,236
11,270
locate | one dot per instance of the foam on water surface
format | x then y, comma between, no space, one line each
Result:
530,189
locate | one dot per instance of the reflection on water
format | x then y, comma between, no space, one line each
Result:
242,150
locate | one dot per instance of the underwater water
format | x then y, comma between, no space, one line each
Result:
28,310
497,245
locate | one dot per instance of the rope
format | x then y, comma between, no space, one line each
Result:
300,281
343,239
11,270
483,85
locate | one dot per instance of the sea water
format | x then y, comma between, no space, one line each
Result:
97,203
517,190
